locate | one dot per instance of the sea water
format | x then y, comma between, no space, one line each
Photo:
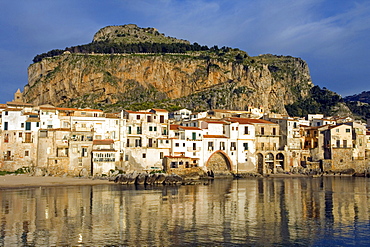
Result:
328,211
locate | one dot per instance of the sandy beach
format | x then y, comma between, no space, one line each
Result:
21,181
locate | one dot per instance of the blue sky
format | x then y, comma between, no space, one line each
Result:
332,36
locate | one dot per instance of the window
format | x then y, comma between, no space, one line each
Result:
161,155
5,125
26,153
246,132
144,155
150,144
20,134
338,143
155,128
193,136
187,164
210,146
194,146
129,130
222,145
37,124
22,125
138,117
177,144
150,128
345,143
138,143
28,125
128,143
8,155
262,130
348,130
6,138
6,113
274,131
138,130
28,138
126,157
245,145
233,146
84,152
161,119
149,119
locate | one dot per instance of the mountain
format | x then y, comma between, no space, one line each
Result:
359,104
362,97
139,68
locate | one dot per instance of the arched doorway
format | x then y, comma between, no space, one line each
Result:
218,164
260,163
269,160
280,161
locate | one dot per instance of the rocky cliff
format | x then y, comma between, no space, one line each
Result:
211,79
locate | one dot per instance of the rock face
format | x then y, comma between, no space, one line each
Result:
73,79
196,80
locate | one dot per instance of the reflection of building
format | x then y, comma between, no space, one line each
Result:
239,212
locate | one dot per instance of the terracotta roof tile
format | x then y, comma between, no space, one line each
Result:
189,128
103,142
214,136
249,121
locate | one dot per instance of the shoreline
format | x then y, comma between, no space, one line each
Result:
26,181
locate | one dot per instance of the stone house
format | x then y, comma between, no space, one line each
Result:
268,157
290,140
18,143
143,146
338,146
367,150
103,157
358,139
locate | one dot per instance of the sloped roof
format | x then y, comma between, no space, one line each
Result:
189,128
33,119
138,112
215,121
159,110
89,110
250,121
214,136
174,126
66,109
103,142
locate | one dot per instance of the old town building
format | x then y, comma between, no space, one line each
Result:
89,142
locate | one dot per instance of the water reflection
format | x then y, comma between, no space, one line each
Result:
275,211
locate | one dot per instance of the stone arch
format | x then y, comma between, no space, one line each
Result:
270,162
280,161
260,163
219,163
